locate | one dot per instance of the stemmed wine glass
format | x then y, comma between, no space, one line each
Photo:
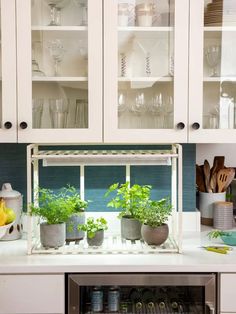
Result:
57,52
138,108
146,46
213,55
157,110
55,11
82,4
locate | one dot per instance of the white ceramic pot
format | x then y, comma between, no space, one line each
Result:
206,201
13,199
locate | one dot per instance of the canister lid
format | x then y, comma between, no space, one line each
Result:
8,192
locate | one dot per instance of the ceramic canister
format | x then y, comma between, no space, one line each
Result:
13,200
223,215
206,201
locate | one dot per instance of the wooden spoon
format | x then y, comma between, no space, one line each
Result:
218,164
207,174
200,179
222,178
231,174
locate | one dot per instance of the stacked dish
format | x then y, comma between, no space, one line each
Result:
220,13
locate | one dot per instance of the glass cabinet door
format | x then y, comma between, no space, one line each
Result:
7,72
212,71
146,70
60,70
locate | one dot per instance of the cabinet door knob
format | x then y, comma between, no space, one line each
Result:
8,125
180,126
23,125
195,125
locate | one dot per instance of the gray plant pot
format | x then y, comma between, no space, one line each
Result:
130,228
155,236
53,235
97,240
72,232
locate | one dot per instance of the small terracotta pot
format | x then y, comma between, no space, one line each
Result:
155,236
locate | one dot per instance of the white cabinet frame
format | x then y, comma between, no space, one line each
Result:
8,59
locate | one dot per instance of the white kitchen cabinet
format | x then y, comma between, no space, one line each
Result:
32,294
114,71
227,293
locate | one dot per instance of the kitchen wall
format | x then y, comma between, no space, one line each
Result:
208,151
98,179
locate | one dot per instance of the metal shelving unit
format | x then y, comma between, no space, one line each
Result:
113,244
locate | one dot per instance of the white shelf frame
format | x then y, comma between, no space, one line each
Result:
64,157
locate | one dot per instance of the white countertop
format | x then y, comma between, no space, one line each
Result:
14,259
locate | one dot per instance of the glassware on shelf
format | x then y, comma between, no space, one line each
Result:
37,107
171,65
82,4
55,11
123,64
157,111
147,46
123,14
35,66
122,102
168,112
58,109
213,55
83,52
144,14
81,113
138,108
57,52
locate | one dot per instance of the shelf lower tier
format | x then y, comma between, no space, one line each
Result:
112,244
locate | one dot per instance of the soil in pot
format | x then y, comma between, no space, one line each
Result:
53,235
130,228
155,236
97,240
72,232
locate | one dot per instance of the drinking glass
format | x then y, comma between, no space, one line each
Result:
81,113
147,46
55,11
35,66
57,52
138,108
157,111
213,55
37,105
58,112
122,102
82,4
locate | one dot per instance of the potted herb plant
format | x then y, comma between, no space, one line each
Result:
154,229
131,200
72,200
95,230
54,215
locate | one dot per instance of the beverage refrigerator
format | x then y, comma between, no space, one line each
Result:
141,293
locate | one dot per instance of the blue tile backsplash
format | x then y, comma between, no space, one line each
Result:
98,179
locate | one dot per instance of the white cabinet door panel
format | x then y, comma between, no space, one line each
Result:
227,293
31,294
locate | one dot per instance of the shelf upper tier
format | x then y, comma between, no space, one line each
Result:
105,157
145,29
58,28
